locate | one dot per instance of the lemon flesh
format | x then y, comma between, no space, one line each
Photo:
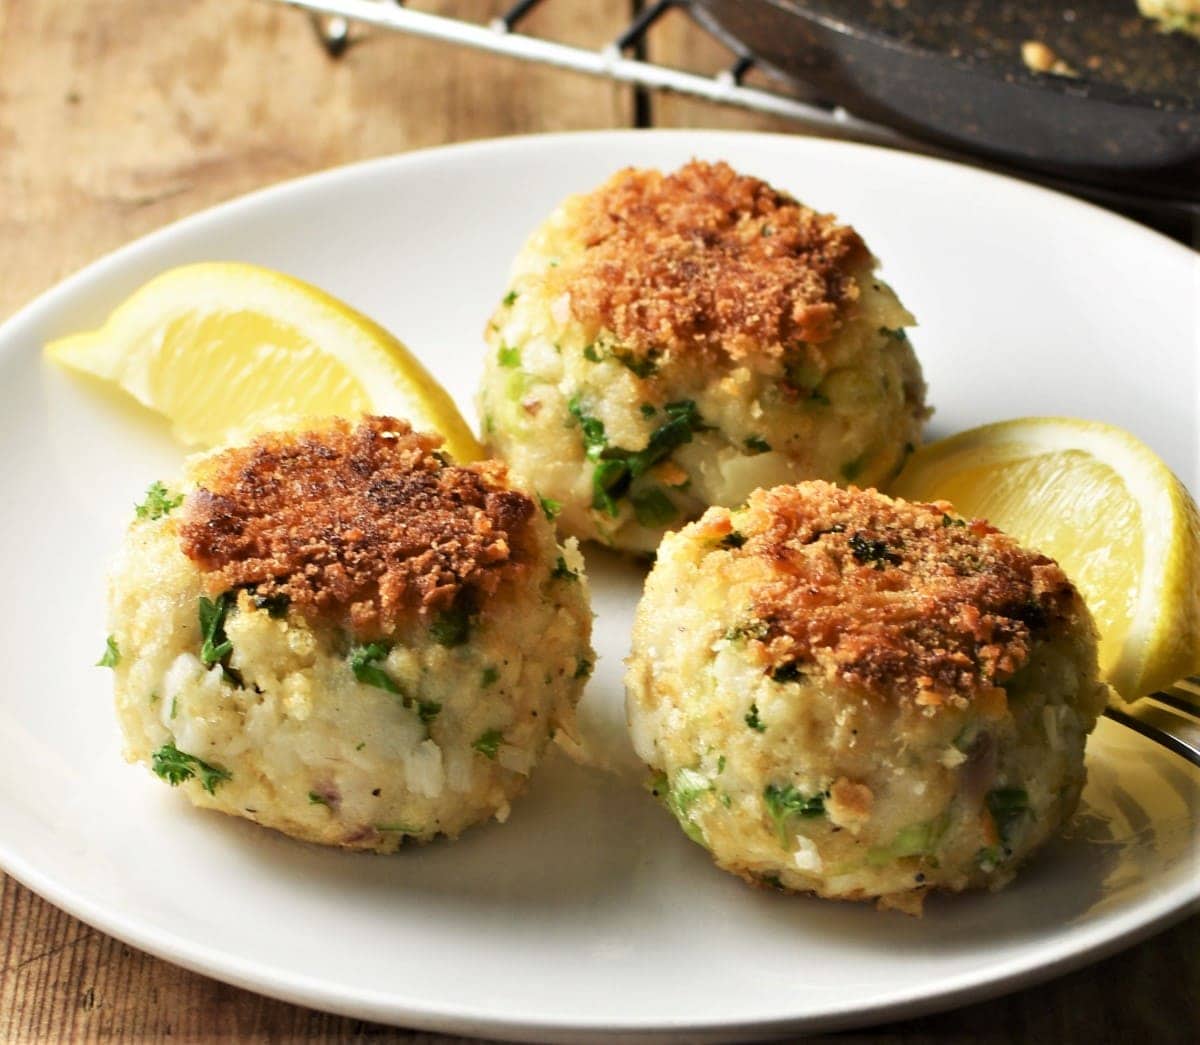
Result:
1103,505
226,349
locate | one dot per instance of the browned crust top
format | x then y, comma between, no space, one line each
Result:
365,525
907,600
708,259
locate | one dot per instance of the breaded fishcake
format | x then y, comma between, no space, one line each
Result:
341,635
861,697
360,525
674,341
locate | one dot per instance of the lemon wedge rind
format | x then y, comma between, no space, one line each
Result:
369,369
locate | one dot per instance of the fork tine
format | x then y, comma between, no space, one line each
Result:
1159,721
1183,700
1190,686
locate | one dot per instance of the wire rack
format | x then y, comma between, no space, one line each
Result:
623,60
620,60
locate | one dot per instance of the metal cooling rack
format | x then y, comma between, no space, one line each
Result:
622,59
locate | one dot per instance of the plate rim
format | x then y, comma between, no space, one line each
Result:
310,992
147,241
1115,932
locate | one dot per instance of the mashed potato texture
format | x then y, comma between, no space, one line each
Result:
861,698
340,635
669,342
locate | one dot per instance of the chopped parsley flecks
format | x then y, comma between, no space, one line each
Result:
488,677
594,439
563,572
316,799
487,744
642,366
428,710
653,508
159,502
175,766
216,646
509,298
1008,806
275,605
950,520
174,707
751,629
733,539
550,507
875,552
452,627
895,333
783,803
648,410
757,445
919,839
583,669
681,795
364,662
753,721
720,764
592,353
616,468
990,857
112,654
689,785
789,672
610,480
508,356
914,840
685,411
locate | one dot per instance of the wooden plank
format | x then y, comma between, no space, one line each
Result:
117,116
60,980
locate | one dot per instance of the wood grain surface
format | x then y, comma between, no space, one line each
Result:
117,116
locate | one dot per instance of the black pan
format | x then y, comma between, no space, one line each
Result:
950,71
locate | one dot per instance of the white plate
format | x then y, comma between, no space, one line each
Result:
589,911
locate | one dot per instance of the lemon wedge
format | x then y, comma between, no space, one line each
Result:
225,349
1105,506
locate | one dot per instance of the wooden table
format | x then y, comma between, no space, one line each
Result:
117,116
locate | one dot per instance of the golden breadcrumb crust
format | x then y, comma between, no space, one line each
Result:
707,259
365,524
904,600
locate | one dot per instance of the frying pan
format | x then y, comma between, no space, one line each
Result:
950,71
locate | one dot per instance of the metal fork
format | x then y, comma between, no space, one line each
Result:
1169,717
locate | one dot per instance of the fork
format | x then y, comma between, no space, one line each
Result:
1168,717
